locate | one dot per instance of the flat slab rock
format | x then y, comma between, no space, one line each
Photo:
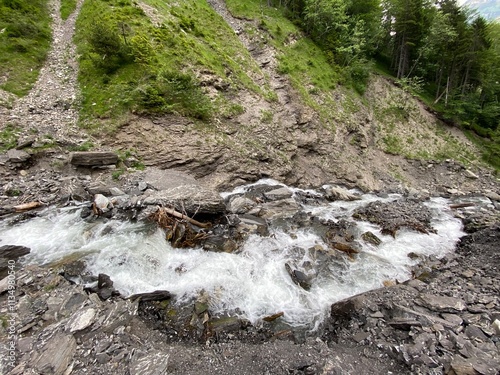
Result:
441,303
185,193
93,158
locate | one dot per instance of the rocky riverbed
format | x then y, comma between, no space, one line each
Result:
445,319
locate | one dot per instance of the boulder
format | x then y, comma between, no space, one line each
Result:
334,193
10,252
93,158
278,194
240,205
17,156
183,192
56,355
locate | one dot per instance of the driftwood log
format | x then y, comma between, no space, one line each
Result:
93,158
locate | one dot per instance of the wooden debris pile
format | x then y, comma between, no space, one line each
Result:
180,229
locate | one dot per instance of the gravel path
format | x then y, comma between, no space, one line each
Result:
49,110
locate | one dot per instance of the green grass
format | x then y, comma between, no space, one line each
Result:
67,8
24,43
130,65
8,138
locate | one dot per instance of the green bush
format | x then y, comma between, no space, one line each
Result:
174,92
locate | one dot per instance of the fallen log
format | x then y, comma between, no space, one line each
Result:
178,215
27,206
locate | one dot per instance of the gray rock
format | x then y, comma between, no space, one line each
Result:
277,194
81,320
116,192
471,175
56,354
155,363
334,193
279,209
250,224
174,188
452,318
371,238
17,156
442,303
93,158
240,205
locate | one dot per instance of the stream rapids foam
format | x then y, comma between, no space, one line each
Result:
252,283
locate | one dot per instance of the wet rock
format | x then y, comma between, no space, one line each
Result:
441,303
299,277
279,209
250,224
371,238
278,194
396,215
220,244
334,193
240,205
157,295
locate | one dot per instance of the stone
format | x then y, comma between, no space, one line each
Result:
114,191
56,355
183,192
10,253
250,224
102,203
371,238
333,193
493,196
81,320
360,336
441,303
496,326
404,324
452,318
93,158
240,205
154,363
17,156
474,332
279,209
278,194
157,295
471,175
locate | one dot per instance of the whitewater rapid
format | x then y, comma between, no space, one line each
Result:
253,282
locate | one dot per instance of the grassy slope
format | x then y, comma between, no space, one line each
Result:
189,38
186,43
24,43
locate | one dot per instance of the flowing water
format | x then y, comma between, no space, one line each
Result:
253,282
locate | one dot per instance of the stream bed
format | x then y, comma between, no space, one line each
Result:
251,282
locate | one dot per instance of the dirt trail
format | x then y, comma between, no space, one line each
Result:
50,109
